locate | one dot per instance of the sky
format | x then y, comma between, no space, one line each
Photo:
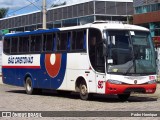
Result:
17,7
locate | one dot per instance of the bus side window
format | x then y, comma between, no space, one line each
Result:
79,40
48,42
24,44
62,41
73,42
69,41
38,43
32,44
58,41
6,45
14,45
35,43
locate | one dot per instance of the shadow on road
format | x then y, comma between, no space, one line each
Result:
96,97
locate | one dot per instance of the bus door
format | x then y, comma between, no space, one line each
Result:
100,68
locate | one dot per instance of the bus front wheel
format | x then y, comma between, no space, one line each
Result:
84,95
123,97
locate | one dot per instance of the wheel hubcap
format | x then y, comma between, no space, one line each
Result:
83,90
28,85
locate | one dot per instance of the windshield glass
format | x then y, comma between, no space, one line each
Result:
130,52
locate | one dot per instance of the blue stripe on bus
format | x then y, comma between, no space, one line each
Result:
32,32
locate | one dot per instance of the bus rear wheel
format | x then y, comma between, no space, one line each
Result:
84,95
123,97
29,87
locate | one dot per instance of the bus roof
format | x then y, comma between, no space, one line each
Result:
98,25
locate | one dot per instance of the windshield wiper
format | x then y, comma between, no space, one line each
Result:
130,67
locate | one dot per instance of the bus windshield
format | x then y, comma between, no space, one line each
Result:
130,52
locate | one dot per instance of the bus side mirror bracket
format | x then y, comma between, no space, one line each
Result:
104,50
156,54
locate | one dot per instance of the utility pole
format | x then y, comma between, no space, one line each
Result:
44,13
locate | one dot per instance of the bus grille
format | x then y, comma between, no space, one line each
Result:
136,90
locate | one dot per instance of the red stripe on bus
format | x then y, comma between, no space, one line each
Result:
32,67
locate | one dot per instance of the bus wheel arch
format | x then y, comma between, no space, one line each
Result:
82,88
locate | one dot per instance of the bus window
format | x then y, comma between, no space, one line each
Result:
14,45
74,40
119,46
99,58
48,42
95,46
78,40
69,41
6,45
62,41
24,44
35,43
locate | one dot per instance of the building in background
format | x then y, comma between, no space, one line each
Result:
147,14
71,15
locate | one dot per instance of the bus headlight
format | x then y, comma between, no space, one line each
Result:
152,82
114,82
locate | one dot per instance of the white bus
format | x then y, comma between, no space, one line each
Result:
101,57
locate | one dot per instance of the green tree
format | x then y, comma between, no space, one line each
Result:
130,19
3,12
60,4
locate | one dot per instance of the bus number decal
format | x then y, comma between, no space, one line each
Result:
100,84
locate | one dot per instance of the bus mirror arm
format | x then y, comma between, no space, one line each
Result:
104,50
156,54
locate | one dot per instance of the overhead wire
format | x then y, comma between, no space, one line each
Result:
31,3
34,4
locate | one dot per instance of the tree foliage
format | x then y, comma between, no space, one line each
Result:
3,12
130,19
60,4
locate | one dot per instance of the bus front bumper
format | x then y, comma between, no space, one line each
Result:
129,88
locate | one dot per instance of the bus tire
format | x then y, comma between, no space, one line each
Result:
29,86
123,97
84,95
